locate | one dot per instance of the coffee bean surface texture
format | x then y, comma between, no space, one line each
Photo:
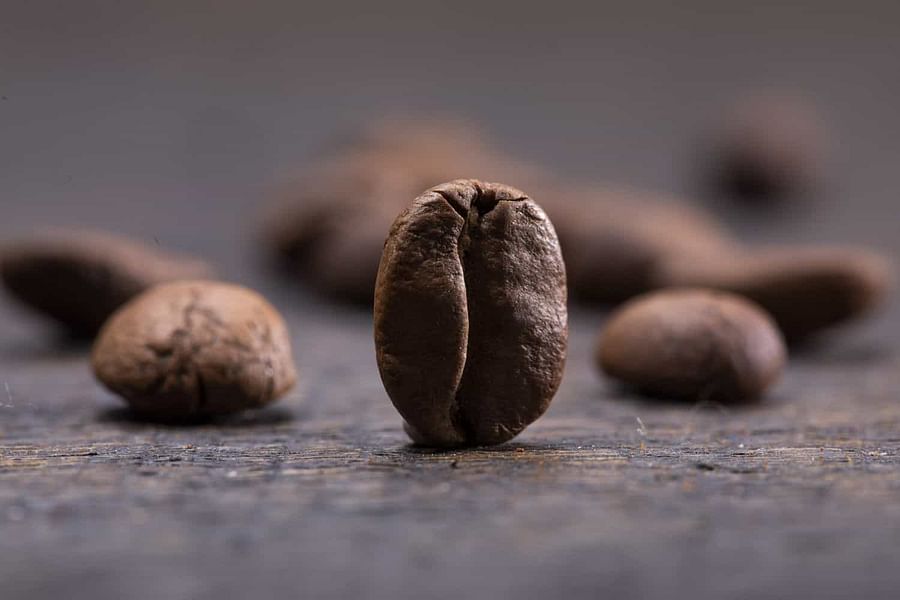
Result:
470,314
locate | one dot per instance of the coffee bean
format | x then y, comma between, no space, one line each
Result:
330,225
470,314
693,345
771,147
618,244
78,278
316,204
193,349
613,239
346,263
805,289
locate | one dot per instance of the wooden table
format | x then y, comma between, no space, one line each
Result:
163,122
321,496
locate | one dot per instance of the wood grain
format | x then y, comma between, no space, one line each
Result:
322,497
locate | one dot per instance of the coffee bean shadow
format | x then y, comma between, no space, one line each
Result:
266,417
60,346
510,448
828,351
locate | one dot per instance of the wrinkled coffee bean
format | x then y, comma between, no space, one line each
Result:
194,349
78,278
805,289
330,226
470,314
693,345
771,147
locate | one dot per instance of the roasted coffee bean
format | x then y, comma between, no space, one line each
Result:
194,349
470,314
618,244
330,225
346,263
805,289
316,204
78,278
613,239
693,345
771,147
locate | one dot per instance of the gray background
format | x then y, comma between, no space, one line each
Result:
169,120
117,112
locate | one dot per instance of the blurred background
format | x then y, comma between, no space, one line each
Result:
116,114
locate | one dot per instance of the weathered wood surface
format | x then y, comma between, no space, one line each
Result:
163,121
321,496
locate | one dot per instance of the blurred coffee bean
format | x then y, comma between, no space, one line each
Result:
470,314
326,230
332,234
78,278
194,349
618,244
693,345
614,238
345,263
316,202
805,289
770,148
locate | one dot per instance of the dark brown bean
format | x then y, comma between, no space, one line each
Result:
614,238
331,223
771,147
470,314
345,263
317,202
805,289
195,349
618,244
693,345
78,278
